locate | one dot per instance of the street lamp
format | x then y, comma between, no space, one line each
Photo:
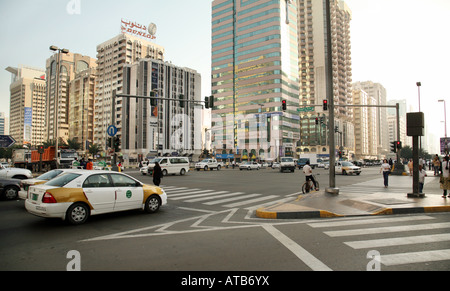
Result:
56,107
445,127
418,88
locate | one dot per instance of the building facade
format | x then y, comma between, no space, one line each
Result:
171,126
312,72
378,92
112,56
27,105
255,70
365,126
58,91
81,103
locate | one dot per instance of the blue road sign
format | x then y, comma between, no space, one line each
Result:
6,141
112,130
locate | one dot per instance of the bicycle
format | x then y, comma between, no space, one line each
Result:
308,185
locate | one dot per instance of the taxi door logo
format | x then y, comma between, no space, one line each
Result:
129,194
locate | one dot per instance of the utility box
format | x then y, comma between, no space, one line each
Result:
415,124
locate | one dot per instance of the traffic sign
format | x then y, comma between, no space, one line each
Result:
6,141
305,109
112,130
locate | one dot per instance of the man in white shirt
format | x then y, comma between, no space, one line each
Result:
308,172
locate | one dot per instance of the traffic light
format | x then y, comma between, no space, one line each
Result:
399,145
317,120
325,105
116,144
394,146
181,96
283,105
211,102
207,102
41,149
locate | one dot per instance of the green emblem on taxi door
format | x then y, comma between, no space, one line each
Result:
129,194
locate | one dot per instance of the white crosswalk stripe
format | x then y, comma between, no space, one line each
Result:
227,199
386,235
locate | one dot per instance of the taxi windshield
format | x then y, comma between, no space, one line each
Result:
347,164
62,180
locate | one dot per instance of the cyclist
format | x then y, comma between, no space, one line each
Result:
308,172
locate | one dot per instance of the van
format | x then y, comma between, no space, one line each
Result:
169,166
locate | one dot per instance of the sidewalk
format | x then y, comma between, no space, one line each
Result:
377,201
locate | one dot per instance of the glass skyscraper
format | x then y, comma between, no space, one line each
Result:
254,70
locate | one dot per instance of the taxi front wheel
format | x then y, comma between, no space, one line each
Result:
152,204
77,214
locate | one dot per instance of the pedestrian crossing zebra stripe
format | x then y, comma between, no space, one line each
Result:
375,220
397,241
415,257
389,229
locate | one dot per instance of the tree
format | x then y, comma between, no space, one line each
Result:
94,149
73,144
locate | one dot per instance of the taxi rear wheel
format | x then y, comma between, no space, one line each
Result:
152,204
77,213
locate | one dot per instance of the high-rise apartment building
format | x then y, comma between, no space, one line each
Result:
81,103
365,122
255,69
172,126
58,93
312,73
3,124
112,56
27,105
378,92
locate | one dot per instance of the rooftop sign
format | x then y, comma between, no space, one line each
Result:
134,28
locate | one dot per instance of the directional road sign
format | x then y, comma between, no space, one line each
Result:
112,130
6,141
305,109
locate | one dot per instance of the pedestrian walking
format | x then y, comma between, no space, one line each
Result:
89,165
422,175
436,164
410,167
157,174
386,169
445,178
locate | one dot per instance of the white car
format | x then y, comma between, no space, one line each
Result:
346,168
250,166
169,166
15,173
77,195
207,164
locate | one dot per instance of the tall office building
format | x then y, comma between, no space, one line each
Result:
58,91
3,124
312,71
255,69
112,56
27,105
365,122
169,127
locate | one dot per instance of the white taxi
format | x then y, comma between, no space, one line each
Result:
77,195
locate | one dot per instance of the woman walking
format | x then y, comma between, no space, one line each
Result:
386,170
157,174
445,178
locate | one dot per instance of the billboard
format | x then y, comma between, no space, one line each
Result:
134,28
445,145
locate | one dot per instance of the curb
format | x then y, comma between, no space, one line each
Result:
262,213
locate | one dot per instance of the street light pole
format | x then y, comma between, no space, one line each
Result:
445,127
419,84
56,106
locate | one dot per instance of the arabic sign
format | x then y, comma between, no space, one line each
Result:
137,29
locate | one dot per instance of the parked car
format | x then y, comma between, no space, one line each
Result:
250,166
9,188
14,173
77,195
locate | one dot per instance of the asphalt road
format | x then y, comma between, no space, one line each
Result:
196,232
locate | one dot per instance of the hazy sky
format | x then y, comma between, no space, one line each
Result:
394,42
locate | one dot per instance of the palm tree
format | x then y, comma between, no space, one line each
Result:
94,149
